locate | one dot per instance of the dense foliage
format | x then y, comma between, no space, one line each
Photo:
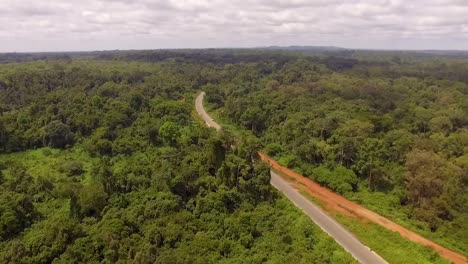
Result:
102,159
103,162
393,137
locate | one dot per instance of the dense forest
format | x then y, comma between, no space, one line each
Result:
103,160
393,137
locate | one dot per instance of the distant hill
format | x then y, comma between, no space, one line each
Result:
304,48
236,55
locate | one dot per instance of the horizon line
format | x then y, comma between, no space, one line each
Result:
271,47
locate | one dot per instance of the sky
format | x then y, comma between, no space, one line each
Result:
78,25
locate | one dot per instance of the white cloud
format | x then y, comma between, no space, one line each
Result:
136,24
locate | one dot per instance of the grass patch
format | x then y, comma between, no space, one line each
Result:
47,162
312,198
389,206
388,244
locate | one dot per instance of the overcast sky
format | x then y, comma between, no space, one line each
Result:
61,25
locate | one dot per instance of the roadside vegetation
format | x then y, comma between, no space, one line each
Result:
390,245
102,162
391,136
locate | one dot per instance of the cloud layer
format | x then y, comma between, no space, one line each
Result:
146,24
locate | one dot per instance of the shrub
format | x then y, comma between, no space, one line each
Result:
72,168
273,149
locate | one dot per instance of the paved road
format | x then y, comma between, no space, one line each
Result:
201,111
359,251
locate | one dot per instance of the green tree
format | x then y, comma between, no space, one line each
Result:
428,183
441,124
92,198
58,134
347,138
370,161
170,132
17,212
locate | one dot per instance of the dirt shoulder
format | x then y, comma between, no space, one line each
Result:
342,205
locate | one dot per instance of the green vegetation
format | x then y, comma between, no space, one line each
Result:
392,136
388,244
102,159
102,162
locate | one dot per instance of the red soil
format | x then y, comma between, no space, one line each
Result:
340,204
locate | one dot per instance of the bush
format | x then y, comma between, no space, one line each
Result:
288,161
340,179
72,168
58,134
273,149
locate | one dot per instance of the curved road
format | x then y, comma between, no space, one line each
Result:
359,251
201,111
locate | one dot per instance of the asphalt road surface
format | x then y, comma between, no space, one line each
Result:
359,251
201,111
